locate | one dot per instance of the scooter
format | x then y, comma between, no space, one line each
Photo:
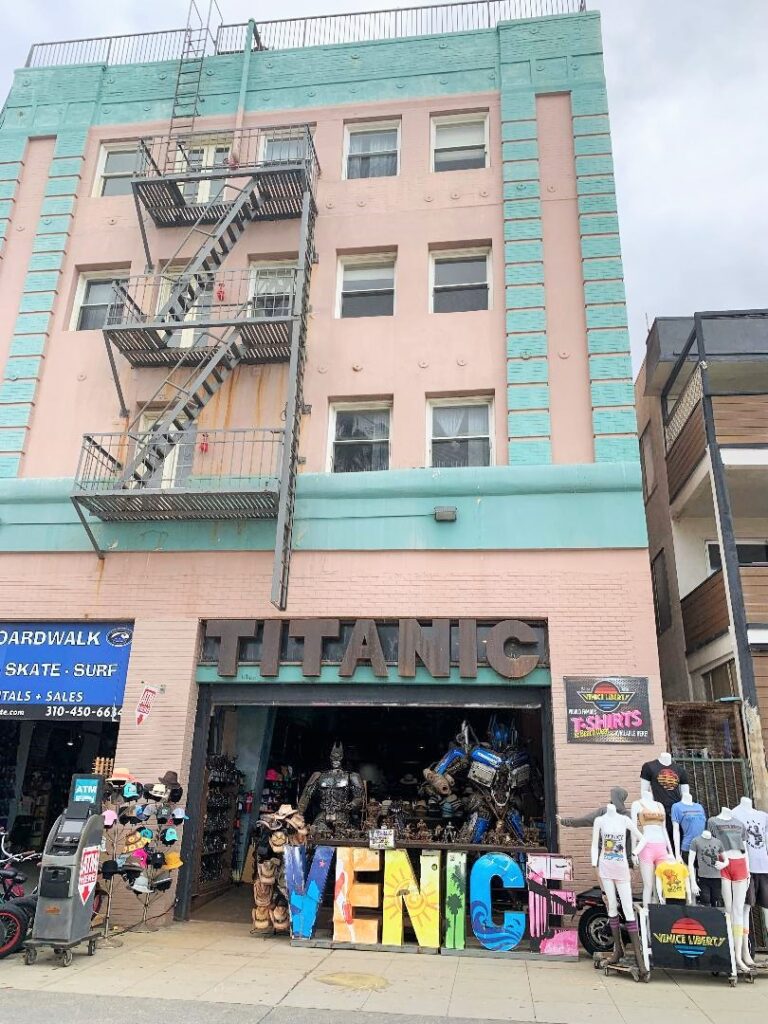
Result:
594,930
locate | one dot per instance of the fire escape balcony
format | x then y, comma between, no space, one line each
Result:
215,474
149,331
187,179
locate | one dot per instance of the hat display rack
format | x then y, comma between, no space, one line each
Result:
143,825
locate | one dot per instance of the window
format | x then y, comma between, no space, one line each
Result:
371,150
460,281
194,160
750,552
200,310
647,466
459,433
117,166
288,146
360,438
177,465
95,299
272,287
720,681
661,603
367,287
459,143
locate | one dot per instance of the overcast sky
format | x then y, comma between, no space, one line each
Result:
688,88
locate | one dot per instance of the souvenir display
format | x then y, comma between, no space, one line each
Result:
333,798
276,831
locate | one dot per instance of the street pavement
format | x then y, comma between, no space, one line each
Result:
207,972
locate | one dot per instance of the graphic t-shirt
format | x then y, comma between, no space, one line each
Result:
673,876
691,818
613,839
730,832
756,824
707,851
665,780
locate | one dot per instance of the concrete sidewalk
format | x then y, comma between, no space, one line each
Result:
206,964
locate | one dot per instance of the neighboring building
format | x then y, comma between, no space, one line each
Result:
449,402
702,399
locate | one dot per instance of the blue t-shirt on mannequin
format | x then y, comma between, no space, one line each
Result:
692,819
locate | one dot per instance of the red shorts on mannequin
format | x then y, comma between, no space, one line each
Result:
735,870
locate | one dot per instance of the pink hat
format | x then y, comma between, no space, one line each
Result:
141,856
110,817
272,775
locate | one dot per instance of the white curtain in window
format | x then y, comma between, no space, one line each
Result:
454,421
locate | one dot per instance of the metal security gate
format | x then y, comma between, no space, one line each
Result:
717,781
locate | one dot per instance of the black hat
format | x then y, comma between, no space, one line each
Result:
162,884
175,794
156,859
170,779
109,869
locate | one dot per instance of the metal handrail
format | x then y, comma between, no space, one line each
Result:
136,48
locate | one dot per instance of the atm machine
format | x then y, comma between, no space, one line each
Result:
68,873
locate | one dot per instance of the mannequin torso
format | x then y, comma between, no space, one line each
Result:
756,834
688,821
664,779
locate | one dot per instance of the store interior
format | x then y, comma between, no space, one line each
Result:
37,761
269,754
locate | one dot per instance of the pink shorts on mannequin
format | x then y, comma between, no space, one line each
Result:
653,853
614,870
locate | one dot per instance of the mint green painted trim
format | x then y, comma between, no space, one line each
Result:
12,440
28,345
592,145
596,292
62,186
37,302
51,225
11,172
607,316
6,209
524,273
524,252
526,345
12,147
593,165
616,449
15,415
614,421
517,131
595,185
578,507
41,281
530,453
614,393
517,106
598,224
591,125
600,245
58,205
329,675
525,320
527,371
596,270
8,190
528,150
523,396
602,203
525,296
521,170
13,391
521,189
522,230
528,424
9,466
603,341
50,243
522,209
65,167
72,142
32,323
610,367
20,367
46,260
589,100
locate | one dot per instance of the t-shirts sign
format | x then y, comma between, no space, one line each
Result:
665,780
608,709
89,870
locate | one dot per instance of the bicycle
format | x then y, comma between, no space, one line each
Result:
17,908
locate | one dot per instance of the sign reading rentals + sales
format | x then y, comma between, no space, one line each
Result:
66,670
690,939
608,709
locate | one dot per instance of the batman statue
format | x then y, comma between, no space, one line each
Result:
336,793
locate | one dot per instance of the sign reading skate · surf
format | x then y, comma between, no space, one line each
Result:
608,709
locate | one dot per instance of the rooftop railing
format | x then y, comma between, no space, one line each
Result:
290,33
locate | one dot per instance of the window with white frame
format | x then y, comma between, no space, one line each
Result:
285,146
460,433
359,437
366,286
460,280
371,150
200,310
117,165
197,159
749,552
459,142
272,286
176,467
96,299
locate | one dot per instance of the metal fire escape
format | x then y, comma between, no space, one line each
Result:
201,321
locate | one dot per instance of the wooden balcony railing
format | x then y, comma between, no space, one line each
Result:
754,585
687,450
705,612
741,419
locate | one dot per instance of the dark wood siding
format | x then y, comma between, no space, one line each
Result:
705,612
741,419
754,585
687,451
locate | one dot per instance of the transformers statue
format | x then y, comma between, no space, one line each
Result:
338,792
498,773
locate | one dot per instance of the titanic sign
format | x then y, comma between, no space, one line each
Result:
511,648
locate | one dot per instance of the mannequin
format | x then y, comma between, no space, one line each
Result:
705,852
688,821
617,798
756,825
650,817
734,873
611,858
673,882
667,781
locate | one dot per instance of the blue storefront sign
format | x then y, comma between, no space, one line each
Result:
64,670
